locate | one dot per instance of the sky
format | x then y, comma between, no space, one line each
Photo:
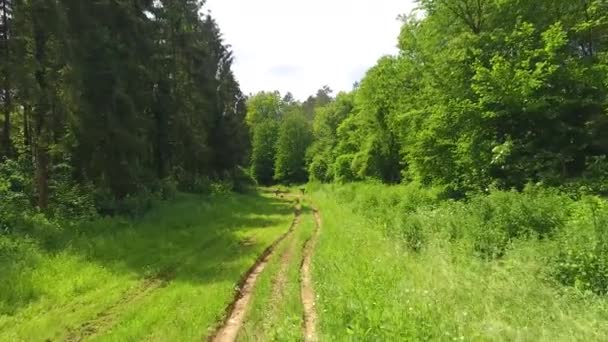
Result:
302,45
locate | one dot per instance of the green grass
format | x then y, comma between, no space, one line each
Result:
165,277
371,285
280,318
391,263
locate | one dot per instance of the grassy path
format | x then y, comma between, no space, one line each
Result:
277,311
237,309
167,276
279,303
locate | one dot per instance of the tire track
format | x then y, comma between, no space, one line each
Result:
280,280
106,318
228,330
307,291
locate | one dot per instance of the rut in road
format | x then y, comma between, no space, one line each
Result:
308,293
280,280
105,319
229,330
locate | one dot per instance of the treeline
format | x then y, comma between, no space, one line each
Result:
281,132
482,94
115,97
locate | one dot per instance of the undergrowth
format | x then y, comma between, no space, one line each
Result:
503,265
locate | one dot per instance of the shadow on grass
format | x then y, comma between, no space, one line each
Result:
197,239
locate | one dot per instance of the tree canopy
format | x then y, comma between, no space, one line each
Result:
124,94
482,93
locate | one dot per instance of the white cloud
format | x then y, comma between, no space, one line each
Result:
301,45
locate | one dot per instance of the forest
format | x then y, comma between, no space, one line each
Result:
458,191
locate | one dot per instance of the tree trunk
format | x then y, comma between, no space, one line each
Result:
6,129
27,138
42,177
41,111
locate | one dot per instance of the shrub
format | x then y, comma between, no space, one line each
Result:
72,202
135,205
503,216
412,230
15,203
222,187
168,188
319,170
342,169
132,205
242,180
581,259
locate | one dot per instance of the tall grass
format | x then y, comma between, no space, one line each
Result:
401,263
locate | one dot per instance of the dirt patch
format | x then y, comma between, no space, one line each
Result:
106,318
307,291
236,311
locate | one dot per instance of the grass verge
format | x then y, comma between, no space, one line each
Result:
373,285
167,276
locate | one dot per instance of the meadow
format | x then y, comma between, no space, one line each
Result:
168,275
389,263
404,263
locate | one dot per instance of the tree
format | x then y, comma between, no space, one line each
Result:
327,119
294,138
122,94
482,92
322,98
264,106
6,90
264,112
263,151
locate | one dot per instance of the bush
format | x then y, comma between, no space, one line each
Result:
375,200
396,208
342,169
412,230
319,170
72,202
502,216
137,204
132,205
242,180
222,187
15,203
168,188
191,183
581,259
568,238
489,222
594,180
